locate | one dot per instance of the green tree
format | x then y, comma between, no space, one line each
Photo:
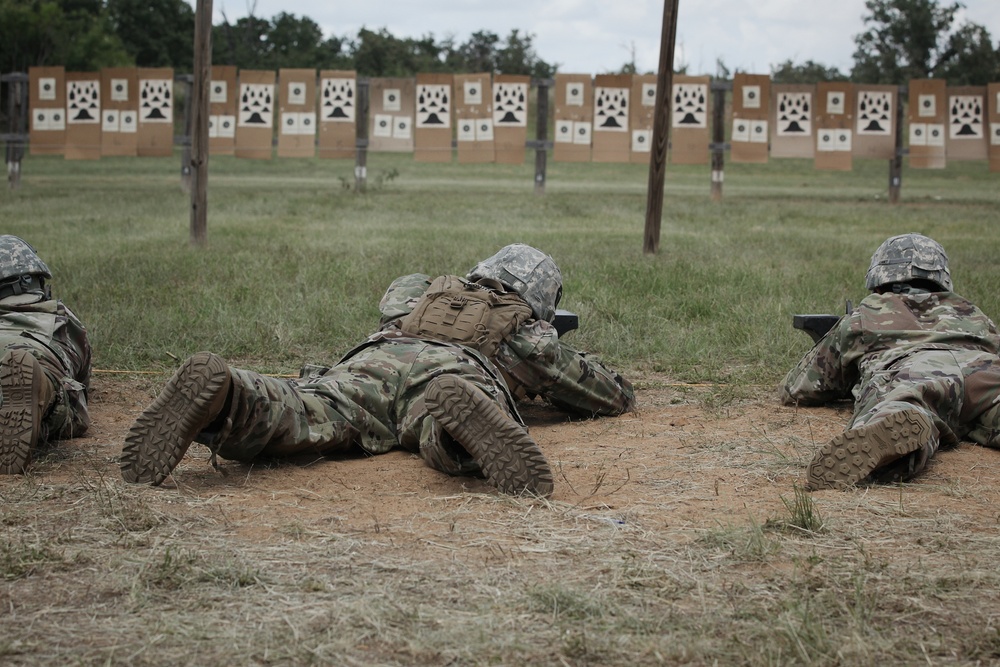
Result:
156,33
478,54
298,42
807,72
379,53
74,33
243,43
517,56
913,39
970,58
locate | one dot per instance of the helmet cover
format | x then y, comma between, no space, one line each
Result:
529,272
18,258
909,257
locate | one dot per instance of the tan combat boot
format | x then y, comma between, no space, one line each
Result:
854,454
26,396
189,402
509,458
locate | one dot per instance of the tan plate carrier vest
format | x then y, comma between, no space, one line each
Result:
455,310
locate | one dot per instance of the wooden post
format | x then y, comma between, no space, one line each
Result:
188,81
718,139
542,135
896,163
661,127
197,116
17,105
361,157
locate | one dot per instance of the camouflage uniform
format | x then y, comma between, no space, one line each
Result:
445,401
534,361
32,320
914,349
372,398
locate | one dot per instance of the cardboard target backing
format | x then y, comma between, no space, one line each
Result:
255,114
83,116
574,118
47,105
689,120
612,140
927,120
432,118
391,101
751,113
222,97
791,120
474,129
993,114
120,111
834,123
297,112
642,116
875,121
510,117
338,114
156,112
967,126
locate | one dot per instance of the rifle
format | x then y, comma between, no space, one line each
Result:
818,325
565,321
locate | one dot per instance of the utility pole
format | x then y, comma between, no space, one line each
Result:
199,124
661,128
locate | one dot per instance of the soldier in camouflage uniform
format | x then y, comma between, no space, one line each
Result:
44,360
445,401
920,361
534,361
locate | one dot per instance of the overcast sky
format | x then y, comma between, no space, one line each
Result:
592,37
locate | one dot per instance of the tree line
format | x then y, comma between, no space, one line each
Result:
87,35
902,40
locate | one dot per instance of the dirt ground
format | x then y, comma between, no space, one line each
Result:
666,542
692,457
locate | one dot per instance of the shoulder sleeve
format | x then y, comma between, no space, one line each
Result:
825,373
402,296
572,381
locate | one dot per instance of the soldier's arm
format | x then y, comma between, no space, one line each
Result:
572,381
77,345
402,296
825,373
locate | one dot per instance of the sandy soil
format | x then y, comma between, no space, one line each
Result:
692,457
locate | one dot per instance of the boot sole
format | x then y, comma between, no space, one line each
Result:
853,455
163,432
510,459
20,415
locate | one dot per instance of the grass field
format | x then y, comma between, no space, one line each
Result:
296,263
676,536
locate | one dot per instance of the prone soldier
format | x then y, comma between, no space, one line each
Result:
44,360
920,361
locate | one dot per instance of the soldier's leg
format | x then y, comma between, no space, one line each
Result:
502,448
981,408
238,414
899,423
457,412
26,394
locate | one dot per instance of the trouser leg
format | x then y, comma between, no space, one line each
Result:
268,416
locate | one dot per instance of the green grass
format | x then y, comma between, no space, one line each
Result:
296,263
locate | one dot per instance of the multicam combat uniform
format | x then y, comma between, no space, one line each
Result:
59,341
30,319
534,361
374,396
933,351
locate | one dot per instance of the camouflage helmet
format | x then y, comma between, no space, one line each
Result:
909,257
18,258
529,272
